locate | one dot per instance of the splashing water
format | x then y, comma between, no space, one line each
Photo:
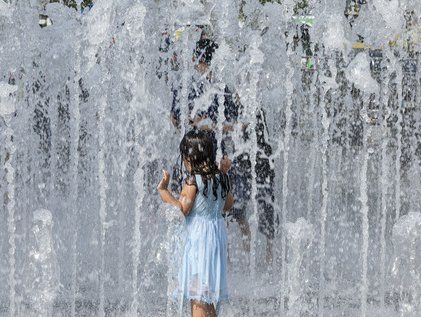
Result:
85,129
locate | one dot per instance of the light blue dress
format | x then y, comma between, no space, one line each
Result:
203,270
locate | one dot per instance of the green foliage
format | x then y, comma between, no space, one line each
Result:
73,3
272,1
86,3
300,7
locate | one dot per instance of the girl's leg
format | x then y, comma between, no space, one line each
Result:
201,309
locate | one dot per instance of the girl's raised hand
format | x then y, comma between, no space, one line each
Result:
225,165
163,184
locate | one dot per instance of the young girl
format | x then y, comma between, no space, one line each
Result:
204,196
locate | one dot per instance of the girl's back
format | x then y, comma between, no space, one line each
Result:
203,274
206,204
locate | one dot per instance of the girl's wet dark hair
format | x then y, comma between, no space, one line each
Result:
197,148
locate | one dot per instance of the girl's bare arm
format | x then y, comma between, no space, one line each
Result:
186,200
229,202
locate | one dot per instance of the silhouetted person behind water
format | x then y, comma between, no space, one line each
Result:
203,113
204,102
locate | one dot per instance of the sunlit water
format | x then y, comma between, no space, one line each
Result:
85,132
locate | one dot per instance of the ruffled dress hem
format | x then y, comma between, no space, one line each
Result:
202,298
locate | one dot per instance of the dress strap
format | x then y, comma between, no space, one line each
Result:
199,182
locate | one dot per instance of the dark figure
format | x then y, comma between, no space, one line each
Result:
265,184
240,174
205,117
242,185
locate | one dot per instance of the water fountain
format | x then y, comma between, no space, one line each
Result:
42,275
299,237
405,273
85,132
7,109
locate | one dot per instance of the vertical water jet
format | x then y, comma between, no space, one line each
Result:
74,164
7,109
103,185
251,99
384,178
289,89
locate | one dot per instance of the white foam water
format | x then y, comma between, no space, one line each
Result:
85,130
